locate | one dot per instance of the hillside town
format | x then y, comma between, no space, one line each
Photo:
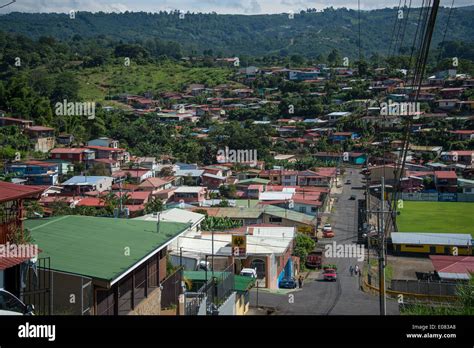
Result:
145,233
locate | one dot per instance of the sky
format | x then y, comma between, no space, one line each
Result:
220,6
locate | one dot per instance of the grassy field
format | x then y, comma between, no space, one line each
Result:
111,79
447,217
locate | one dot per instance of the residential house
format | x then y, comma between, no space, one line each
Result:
463,134
446,181
156,184
65,139
190,194
323,176
11,121
78,185
136,176
447,104
451,93
268,250
12,216
43,138
35,172
111,153
74,155
337,115
213,181
459,156
134,284
110,165
339,137
104,142
189,176
467,186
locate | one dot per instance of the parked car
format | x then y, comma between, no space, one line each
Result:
249,272
330,274
327,231
348,182
287,283
12,305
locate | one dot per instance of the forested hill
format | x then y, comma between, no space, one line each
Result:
309,33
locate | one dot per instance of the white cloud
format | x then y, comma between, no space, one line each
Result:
219,6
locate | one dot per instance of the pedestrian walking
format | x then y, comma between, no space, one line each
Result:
357,270
300,281
351,269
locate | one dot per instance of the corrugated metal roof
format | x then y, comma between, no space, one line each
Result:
431,238
9,191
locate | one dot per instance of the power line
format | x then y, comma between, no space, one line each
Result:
393,29
11,2
404,27
445,31
399,28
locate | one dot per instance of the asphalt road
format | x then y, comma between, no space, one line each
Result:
343,297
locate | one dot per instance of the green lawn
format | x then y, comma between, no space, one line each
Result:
447,217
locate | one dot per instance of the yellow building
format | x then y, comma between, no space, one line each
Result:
432,243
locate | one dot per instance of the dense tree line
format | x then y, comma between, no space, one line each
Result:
309,33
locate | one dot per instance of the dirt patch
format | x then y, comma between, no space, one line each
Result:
405,267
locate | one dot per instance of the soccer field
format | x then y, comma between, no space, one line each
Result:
447,217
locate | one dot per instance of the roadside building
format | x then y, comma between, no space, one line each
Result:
431,243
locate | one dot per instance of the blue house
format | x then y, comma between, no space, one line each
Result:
339,137
297,75
357,158
35,172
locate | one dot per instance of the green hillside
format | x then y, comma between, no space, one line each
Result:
308,33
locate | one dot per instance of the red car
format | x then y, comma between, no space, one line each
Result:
327,231
330,274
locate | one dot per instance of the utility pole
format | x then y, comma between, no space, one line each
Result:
382,252
158,220
212,256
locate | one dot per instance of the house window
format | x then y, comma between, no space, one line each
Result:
314,209
275,219
275,178
69,155
414,245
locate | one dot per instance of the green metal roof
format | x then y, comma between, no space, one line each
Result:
97,247
239,212
246,203
241,283
288,214
254,181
